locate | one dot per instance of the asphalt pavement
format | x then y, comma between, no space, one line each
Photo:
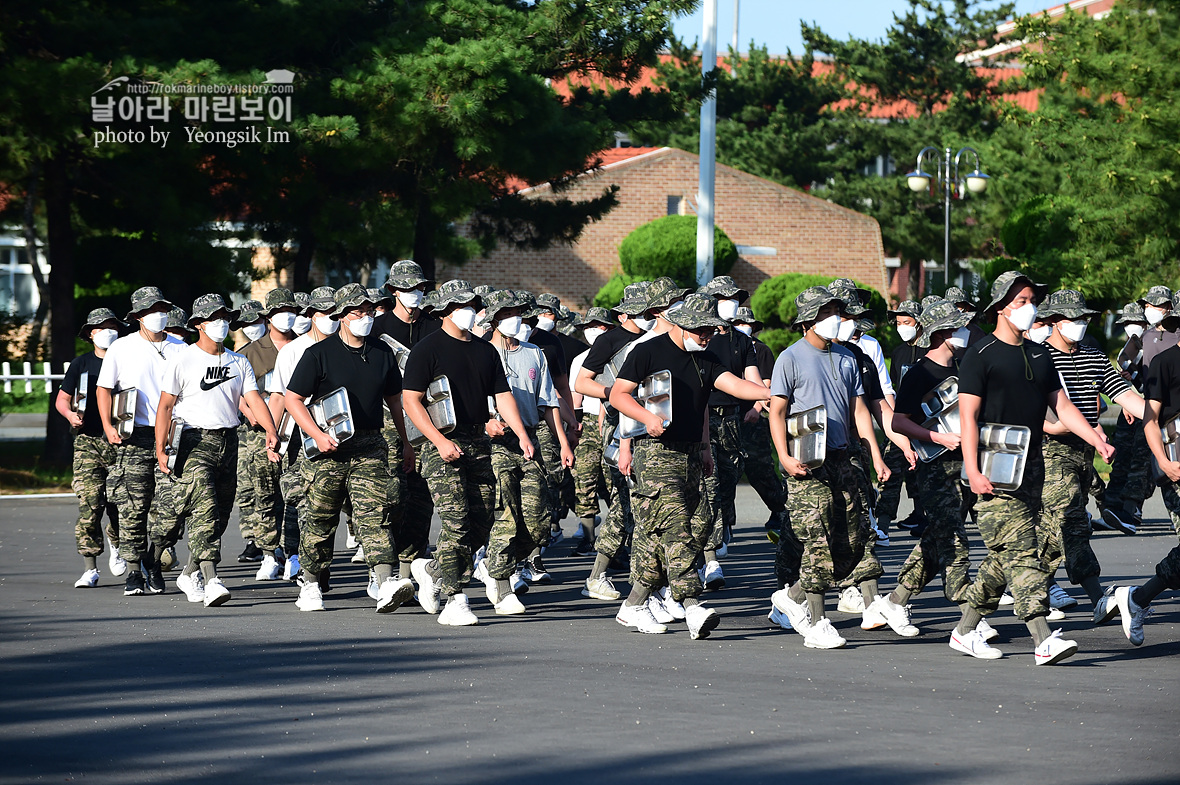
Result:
102,688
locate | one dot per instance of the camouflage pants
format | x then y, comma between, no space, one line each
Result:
245,495
464,494
620,517
294,498
1063,530
411,509
759,465
899,474
944,546
93,456
356,471
589,474
1007,521
827,519
264,478
522,512
1130,475
673,516
202,491
131,485
725,440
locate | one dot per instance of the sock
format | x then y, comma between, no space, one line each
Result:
1039,627
1092,588
796,593
270,553
869,590
91,562
383,572
710,555
639,595
588,528
504,586
600,563
1149,591
971,619
688,602
815,605
403,569
432,568
900,596
536,552
209,571
310,577
192,566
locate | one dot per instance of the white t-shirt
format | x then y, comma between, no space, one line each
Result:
208,387
134,361
872,347
285,363
590,404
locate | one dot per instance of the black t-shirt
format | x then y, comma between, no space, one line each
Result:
999,373
735,352
904,357
369,374
405,333
765,359
551,347
921,379
606,347
472,367
693,374
88,363
1163,382
868,372
572,347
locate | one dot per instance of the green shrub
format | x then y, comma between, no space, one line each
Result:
611,294
773,304
668,246
778,339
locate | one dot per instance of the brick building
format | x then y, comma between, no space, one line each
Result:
777,229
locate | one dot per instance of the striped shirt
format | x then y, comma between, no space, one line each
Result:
1084,374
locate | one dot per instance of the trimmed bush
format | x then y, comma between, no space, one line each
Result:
778,339
668,246
773,304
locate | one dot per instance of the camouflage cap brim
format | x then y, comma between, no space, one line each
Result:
97,317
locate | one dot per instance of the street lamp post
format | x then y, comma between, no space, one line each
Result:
946,176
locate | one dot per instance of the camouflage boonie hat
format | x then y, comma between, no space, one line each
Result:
723,287
942,315
1132,313
457,291
852,304
634,300
97,317
276,299
380,296
249,313
205,306
957,296
145,298
1157,296
809,302
1004,284
930,300
178,320
598,316
321,300
405,275
745,315
907,308
549,303
349,296
301,301
663,292
499,301
429,301
483,290
1065,302
699,310
865,325
862,295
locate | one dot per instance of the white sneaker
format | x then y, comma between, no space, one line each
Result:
1059,598
600,588
1132,614
117,564
796,612
193,586
1007,599
393,593
1055,649
519,584
269,570
872,618
534,571
986,631
350,542
489,583
291,568
851,601
1106,607
701,621
670,605
1055,614
974,645
657,610
712,576
822,635
374,588
310,597
427,588
88,580
457,613
216,593
778,617
509,605
359,556
896,616
639,617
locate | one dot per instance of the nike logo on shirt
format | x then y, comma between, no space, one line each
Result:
216,376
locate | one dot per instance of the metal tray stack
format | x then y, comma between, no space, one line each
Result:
78,400
172,447
1171,439
333,414
1003,453
123,412
286,431
808,432
655,393
401,353
439,407
941,407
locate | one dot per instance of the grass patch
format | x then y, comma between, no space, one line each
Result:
21,470
29,403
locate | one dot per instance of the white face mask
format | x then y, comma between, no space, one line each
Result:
690,344
216,330
510,326
727,309
154,322
1040,334
254,331
524,332
545,323
907,332
958,339
645,324
829,328
326,324
104,338
410,300
302,325
1023,317
283,322
847,328
360,327
1073,331
591,334
748,329
464,318
1154,314
1134,330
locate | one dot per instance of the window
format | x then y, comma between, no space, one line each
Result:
674,203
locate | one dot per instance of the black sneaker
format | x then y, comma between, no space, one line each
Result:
135,584
325,580
584,548
534,571
155,580
1121,521
910,522
252,553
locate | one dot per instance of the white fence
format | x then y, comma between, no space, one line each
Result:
28,377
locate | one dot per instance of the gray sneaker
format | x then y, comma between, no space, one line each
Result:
1105,608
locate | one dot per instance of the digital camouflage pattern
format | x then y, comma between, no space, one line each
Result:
411,508
944,547
1130,475
93,457
729,457
551,456
131,484
245,495
522,511
202,493
759,464
357,471
1063,529
268,496
589,472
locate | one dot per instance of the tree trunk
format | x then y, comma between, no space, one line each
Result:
301,268
424,230
58,447
913,289
37,337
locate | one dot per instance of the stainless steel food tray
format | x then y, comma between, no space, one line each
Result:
1003,453
655,394
941,407
1171,438
333,414
286,431
807,433
439,407
172,447
401,352
123,411
78,399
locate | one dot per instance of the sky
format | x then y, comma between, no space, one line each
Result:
775,23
